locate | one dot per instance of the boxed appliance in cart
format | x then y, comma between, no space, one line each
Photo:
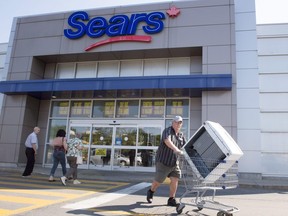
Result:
211,151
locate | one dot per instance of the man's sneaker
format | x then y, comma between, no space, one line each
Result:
172,202
149,196
76,182
63,180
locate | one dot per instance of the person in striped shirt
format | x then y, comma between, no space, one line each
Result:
167,164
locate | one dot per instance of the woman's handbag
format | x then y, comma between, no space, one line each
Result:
79,160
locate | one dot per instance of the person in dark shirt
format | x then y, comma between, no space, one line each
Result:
167,164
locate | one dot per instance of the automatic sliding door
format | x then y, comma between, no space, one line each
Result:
148,142
121,147
101,147
125,147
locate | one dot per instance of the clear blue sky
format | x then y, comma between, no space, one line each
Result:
267,11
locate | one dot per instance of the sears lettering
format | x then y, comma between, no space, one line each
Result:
118,25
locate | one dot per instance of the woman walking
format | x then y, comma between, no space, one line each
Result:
74,151
60,147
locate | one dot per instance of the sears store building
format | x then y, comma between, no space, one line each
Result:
119,75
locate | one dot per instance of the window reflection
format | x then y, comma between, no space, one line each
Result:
149,108
127,158
127,108
54,126
149,136
59,109
103,109
102,136
100,157
80,109
148,157
177,107
126,136
152,108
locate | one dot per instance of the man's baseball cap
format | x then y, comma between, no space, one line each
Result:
178,119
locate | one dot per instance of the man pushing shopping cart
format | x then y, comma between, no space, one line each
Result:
209,163
167,163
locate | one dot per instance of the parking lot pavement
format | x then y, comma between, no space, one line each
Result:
251,198
258,202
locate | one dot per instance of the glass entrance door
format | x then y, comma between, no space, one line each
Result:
101,146
113,147
118,147
125,147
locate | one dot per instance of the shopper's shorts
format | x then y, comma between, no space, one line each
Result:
163,171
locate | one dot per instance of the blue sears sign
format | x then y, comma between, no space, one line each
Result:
118,28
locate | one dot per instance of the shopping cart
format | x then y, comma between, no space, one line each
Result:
202,178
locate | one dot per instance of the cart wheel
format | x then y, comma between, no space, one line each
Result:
180,208
224,214
200,205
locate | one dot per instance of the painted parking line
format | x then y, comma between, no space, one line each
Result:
28,203
41,182
15,198
99,200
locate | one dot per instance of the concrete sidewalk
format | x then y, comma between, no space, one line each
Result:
133,176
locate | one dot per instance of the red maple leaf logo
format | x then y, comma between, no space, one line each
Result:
173,12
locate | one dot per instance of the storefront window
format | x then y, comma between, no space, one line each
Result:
155,67
133,138
176,107
152,108
103,109
85,70
179,64
80,109
54,126
108,69
131,68
59,109
65,70
127,108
